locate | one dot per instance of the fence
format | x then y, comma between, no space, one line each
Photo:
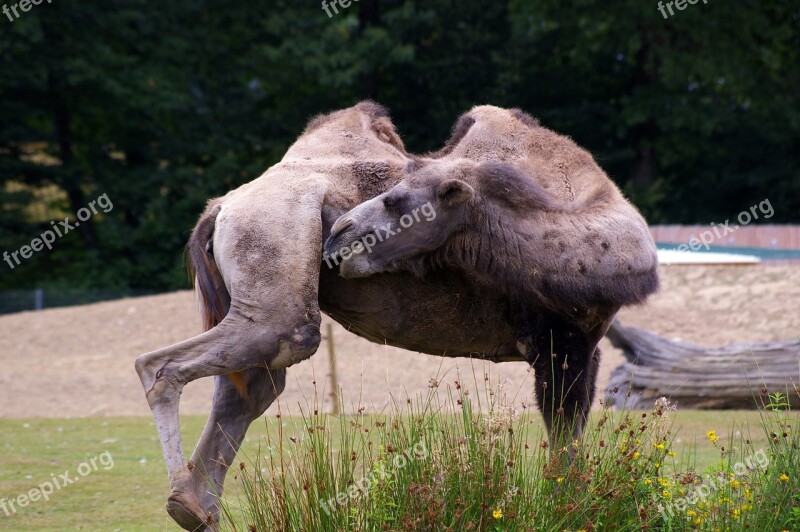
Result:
39,298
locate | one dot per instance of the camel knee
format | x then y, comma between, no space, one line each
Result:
156,378
296,345
143,365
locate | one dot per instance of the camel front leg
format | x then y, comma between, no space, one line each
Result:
566,360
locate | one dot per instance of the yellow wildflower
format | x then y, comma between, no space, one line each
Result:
636,455
560,480
666,493
671,453
659,446
735,483
691,513
497,514
648,481
712,435
784,477
663,481
698,520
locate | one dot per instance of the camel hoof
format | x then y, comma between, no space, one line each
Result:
189,515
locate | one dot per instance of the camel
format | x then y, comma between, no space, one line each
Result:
262,281
525,214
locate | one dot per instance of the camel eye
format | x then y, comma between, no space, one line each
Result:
393,203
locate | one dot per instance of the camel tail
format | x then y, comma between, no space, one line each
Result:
214,299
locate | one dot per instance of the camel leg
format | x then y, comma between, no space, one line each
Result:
563,396
231,416
236,344
575,418
565,362
591,379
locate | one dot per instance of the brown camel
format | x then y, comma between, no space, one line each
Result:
526,215
256,254
262,283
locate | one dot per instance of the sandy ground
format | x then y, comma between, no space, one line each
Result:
78,361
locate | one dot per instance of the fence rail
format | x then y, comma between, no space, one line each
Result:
42,298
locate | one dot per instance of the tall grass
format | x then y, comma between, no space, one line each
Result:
452,462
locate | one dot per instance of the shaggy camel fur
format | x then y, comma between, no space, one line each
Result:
256,254
527,215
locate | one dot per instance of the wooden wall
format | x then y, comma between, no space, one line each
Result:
752,236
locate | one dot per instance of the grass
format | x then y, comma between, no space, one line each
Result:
465,469
129,496
435,464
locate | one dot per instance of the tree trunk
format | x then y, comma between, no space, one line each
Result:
736,376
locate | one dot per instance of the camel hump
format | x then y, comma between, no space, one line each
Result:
457,134
360,132
593,247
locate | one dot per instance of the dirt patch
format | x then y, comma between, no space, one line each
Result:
78,361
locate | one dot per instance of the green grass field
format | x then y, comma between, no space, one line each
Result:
131,494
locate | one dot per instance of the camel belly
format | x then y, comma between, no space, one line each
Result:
439,315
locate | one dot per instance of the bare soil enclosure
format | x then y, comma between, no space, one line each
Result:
78,361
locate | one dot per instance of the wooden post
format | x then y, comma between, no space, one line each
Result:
334,377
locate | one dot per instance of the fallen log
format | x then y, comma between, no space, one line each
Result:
736,376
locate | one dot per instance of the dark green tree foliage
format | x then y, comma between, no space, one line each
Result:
164,105
696,116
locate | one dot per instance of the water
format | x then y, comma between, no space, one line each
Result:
765,254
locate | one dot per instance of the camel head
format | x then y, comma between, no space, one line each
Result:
415,217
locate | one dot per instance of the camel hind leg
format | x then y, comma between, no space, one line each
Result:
267,256
231,416
236,344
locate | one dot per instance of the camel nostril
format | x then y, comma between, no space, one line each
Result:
337,232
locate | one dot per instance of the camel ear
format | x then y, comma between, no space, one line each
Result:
454,192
